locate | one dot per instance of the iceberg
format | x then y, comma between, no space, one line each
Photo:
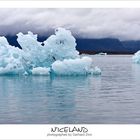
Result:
57,55
136,57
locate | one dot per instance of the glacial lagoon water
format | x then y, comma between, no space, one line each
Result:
112,98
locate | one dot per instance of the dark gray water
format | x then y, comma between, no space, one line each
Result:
113,97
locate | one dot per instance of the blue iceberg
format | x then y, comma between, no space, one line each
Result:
57,55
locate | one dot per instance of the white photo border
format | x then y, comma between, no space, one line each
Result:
99,132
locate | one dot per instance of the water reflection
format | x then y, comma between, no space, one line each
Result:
39,99
136,72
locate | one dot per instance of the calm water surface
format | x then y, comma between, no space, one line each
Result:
113,97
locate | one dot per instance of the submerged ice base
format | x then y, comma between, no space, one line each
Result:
57,55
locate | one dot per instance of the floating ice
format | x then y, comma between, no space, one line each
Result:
78,66
136,57
57,56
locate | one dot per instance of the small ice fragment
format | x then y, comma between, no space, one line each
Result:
136,57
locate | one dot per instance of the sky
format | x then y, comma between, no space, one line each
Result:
123,24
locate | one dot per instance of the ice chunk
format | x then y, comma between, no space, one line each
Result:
32,55
78,66
136,57
62,45
10,58
41,71
3,41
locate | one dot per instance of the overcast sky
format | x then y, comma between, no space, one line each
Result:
87,23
